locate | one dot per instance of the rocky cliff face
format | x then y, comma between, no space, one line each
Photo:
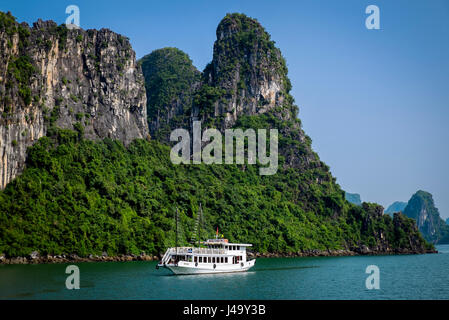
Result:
75,79
248,69
247,76
404,237
421,207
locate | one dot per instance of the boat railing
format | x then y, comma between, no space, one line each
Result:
188,250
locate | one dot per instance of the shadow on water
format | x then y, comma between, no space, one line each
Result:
237,273
28,295
25,295
284,268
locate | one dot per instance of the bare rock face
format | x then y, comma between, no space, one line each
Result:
247,67
51,76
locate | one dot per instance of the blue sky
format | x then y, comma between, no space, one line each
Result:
374,102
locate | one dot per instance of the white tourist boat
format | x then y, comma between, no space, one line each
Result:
214,256
218,256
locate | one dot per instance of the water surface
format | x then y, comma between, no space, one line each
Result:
401,277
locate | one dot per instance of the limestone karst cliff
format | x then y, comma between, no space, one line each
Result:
421,207
248,68
247,76
86,80
88,197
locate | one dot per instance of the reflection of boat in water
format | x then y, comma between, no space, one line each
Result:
216,256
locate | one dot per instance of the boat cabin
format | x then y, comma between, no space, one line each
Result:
215,251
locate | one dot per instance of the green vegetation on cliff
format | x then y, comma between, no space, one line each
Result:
83,197
169,80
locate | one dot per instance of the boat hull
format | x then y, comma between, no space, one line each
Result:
186,268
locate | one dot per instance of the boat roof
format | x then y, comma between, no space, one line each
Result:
225,241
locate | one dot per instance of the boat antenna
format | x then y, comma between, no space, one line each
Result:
199,224
176,241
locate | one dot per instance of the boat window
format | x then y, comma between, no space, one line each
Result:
213,259
226,259
201,259
195,259
208,259
222,260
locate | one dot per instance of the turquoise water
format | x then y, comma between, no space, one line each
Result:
401,277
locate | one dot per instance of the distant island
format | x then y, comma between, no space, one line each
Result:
422,209
397,206
353,198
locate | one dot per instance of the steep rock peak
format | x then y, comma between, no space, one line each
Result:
247,75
